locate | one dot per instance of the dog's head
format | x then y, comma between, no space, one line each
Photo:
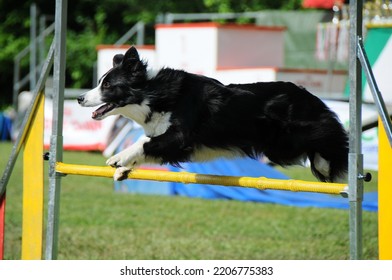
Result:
120,86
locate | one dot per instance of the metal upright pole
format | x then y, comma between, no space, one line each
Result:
33,46
15,89
56,140
140,33
355,179
41,39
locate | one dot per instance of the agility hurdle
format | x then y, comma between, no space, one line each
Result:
260,183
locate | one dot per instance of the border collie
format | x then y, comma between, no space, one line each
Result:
188,117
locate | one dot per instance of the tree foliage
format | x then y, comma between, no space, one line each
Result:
92,22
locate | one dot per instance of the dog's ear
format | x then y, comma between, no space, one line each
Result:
132,63
117,59
131,54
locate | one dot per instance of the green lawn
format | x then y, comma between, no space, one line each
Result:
97,223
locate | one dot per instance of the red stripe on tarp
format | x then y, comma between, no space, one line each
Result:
87,147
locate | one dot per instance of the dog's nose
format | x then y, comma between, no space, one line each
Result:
80,99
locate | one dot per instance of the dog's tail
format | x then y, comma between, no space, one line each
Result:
329,156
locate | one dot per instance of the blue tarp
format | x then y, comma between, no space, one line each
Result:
236,167
5,127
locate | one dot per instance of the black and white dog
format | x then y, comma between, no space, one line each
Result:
188,117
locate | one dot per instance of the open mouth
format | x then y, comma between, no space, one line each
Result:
103,110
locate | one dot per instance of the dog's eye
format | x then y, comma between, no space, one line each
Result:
106,85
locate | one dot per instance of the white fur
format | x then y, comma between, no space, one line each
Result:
207,154
321,164
151,73
120,173
135,112
93,97
131,156
158,124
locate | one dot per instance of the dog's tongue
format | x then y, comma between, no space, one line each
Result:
102,110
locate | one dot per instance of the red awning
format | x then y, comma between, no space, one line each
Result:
320,4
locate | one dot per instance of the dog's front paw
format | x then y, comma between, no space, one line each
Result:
125,158
112,161
116,161
121,173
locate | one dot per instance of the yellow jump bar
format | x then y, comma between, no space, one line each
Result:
260,183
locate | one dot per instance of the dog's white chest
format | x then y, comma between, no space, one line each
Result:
157,124
153,123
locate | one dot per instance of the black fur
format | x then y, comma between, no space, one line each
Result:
280,120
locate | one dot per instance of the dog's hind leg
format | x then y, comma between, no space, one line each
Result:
327,170
321,164
320,167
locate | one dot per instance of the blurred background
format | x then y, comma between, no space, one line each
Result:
91,23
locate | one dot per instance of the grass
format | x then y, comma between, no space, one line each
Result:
97,223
